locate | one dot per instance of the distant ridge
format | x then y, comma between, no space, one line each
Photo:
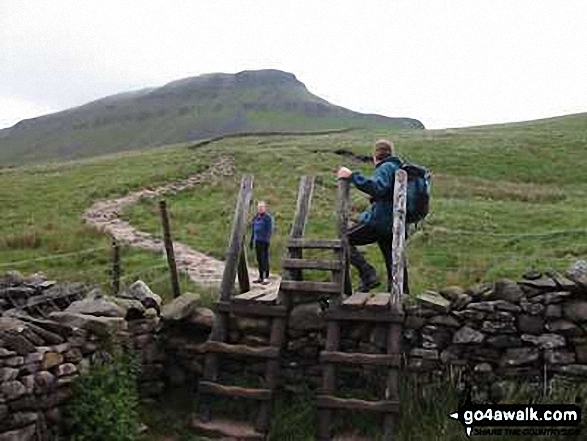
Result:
190,109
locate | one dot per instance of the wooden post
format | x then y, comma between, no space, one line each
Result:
397,292
115,267
237,236
169,249
243,272
344,188
399,238
298,227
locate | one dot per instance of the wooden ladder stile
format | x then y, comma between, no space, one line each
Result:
384,309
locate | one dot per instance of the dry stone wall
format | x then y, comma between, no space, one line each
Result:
51,332
494,334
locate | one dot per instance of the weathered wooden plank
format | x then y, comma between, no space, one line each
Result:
248,296
363,315
328,379
269,297
332,265
252,309
310,287
226,429
357,300
209,387
330,402
399,238
314,243
392,360
225,348
379,300
235,243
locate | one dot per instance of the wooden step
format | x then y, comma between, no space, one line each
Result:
330,402
363,315
257,309
311,287
315,243
209,387
250,351
357,300
360,358
226,429
329,265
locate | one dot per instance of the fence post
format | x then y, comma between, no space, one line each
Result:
115,267
169,248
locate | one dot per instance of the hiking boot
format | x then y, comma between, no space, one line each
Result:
258,280
370,281
265,282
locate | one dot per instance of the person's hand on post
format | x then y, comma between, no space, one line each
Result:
344,173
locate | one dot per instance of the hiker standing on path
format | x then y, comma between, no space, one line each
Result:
262,228
375,225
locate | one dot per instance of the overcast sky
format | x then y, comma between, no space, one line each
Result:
446,63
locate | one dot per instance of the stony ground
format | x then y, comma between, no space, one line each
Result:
201,268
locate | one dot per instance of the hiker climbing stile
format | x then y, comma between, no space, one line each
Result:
262,228
376,224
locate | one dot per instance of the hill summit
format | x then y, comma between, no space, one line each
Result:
185,110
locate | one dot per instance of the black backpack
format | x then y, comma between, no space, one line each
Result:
418,197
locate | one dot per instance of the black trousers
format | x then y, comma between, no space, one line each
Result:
262,249
361,234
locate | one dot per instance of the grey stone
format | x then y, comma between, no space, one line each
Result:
414,322
181,307
564,327
44,382
141,292
502,305
14,362
452,355
452,293
27,433
554,311
543,284
66,370
483,369
545,341
482,291
504,341
13,390
529,324
102,326
428,354
558,357
579,370
445,320
498,327
99,307
202,318
581,353
250,324
575,311
470,315
577,269
550,297
133,308
433,301
508,290
501,316
12,278
532,308
482,306
467,335
5,353
307,316
8,374
519,356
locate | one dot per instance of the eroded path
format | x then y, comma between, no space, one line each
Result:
201,268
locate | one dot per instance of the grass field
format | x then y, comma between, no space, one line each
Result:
505,199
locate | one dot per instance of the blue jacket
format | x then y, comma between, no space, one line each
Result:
262,228
380,188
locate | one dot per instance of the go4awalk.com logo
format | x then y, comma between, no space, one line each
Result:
519,419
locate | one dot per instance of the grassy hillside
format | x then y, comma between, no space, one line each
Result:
185,110
505,199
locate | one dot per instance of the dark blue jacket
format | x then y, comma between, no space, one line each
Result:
380,188
262,228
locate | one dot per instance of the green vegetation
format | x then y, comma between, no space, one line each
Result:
505,199
426,408
105,403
